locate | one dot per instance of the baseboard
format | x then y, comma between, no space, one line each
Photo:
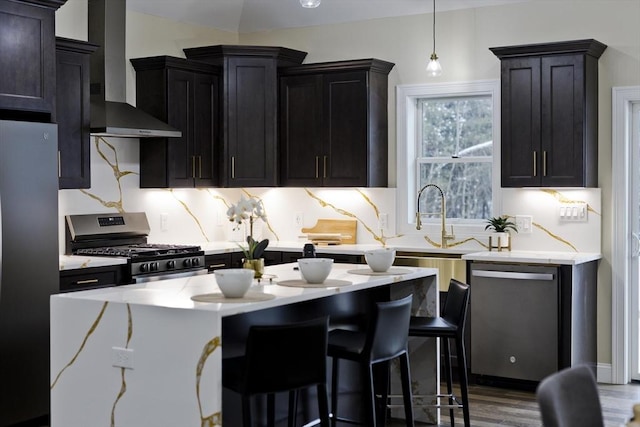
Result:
604,373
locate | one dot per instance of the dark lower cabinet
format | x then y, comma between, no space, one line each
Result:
72,112
234,260
333,124
93,278
549,114
342,258
27,54
185,94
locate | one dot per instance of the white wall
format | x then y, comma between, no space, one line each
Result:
463,39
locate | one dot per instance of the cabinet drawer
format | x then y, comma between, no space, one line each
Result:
214,262
90,278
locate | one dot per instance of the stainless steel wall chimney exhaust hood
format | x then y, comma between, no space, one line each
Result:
110,114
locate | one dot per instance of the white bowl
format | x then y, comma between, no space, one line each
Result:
315,270
379,260
234,282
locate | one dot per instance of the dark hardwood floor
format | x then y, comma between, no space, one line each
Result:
494,406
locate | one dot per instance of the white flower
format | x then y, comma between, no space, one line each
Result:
246,209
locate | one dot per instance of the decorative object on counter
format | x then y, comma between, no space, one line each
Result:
393,271
250,209
220,298
379,260
315,270
501,226
332,231
308,251
328,283
234,282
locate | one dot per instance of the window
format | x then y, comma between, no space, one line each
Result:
446,136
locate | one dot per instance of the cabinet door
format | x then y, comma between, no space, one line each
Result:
27,43
250,120
72,114
520,146
180,160
301,151
563,112
344,161
205,129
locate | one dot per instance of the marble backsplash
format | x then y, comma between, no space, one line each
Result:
199,215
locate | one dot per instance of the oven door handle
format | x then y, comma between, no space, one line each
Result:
511,275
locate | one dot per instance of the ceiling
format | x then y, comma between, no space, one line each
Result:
245,16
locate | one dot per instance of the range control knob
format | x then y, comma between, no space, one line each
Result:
171,264
144,268
186,263
195,262
154,266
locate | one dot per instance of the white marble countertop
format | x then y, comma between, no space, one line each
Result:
347,249
533,257
177,293
70,262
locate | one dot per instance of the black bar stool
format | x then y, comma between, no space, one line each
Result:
281,358
450,325
385,339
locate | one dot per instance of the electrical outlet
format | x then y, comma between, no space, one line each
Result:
524,224
298,219
383,221
122,357
164,219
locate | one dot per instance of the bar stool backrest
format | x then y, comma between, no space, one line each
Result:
389,329
455,306
286,357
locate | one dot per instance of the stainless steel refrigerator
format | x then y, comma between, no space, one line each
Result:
28,265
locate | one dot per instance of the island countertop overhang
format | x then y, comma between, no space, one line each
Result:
177,293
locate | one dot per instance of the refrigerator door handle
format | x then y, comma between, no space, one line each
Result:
0,246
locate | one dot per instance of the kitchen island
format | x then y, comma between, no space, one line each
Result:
148,354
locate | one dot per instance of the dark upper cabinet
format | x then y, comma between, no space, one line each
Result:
333,124
184,94
27,55
249,110
550,114
72,112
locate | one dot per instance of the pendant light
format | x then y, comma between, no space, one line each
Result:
310,3
434,69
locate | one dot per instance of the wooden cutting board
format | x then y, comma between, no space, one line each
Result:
345,228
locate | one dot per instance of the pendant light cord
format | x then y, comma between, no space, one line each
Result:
434,26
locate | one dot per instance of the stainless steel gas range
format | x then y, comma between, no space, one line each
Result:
125,235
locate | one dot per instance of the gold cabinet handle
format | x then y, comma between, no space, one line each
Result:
535,163
193,167
200,167
544,163
86,282
59,164
324,168
317,165
214,266
233,167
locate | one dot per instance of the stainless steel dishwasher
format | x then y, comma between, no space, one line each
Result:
514,320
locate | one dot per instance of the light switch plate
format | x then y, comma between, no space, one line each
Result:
524,223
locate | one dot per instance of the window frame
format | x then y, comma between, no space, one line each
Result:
407,136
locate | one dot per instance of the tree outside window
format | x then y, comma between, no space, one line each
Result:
454,150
